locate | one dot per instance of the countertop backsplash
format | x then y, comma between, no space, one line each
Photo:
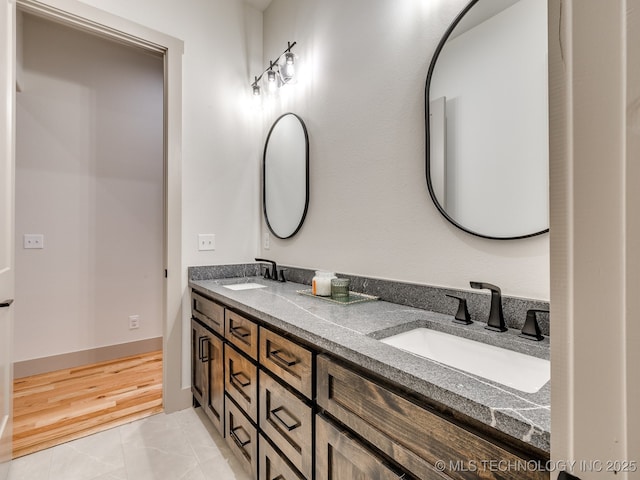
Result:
425,297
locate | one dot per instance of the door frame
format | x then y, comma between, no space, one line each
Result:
99,22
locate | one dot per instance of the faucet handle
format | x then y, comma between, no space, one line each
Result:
266,275
462,315
281,277
531,328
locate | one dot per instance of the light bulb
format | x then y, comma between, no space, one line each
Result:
256,90
272,81
288,69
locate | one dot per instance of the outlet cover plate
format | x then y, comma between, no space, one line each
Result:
33,240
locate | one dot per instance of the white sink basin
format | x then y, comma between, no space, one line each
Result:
513,369
244,286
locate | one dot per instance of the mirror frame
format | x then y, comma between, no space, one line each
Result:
264,177
432,194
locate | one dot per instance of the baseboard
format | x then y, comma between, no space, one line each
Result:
36,366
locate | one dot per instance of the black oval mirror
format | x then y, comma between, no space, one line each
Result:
487,120
285,179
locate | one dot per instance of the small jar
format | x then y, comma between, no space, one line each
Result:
340,288
321,283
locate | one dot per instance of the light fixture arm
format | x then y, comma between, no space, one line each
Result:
272,64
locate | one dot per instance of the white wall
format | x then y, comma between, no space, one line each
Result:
89,158
219,150
361,94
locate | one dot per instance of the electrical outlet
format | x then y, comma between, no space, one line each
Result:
134,322
33,240
267,240
206,241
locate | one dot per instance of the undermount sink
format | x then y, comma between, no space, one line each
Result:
244,286
513,369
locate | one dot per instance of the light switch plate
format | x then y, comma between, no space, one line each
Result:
33,240
206,241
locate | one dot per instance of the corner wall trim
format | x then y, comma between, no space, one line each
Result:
36,366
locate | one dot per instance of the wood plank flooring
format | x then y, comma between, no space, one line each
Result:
53,408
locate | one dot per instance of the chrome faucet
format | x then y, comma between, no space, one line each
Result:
496,317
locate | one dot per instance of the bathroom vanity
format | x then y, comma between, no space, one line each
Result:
302,388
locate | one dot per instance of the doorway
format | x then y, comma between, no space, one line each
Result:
174,395
89,201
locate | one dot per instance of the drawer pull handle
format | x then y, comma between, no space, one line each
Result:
216,322
204,358
289,426
240,332
241,379
6,303
278,358
236,439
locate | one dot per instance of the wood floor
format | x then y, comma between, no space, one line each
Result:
56,407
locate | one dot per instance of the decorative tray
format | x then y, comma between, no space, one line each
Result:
351,299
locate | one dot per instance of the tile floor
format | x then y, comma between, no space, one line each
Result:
178,446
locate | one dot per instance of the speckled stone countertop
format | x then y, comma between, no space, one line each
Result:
350,332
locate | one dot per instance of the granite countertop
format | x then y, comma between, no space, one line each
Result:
351,332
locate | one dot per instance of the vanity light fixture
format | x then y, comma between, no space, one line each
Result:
280,71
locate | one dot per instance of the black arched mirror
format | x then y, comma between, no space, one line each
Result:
486,106
285,176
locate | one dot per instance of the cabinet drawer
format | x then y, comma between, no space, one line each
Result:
241,381
415,437
272,465
208,312
287,360
242,438
339,456
287,421
242,332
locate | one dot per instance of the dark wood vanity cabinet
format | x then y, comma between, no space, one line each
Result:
207,380
242,366
290,414
424,443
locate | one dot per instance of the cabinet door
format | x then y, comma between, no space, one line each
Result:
198,338
341,457
214,381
